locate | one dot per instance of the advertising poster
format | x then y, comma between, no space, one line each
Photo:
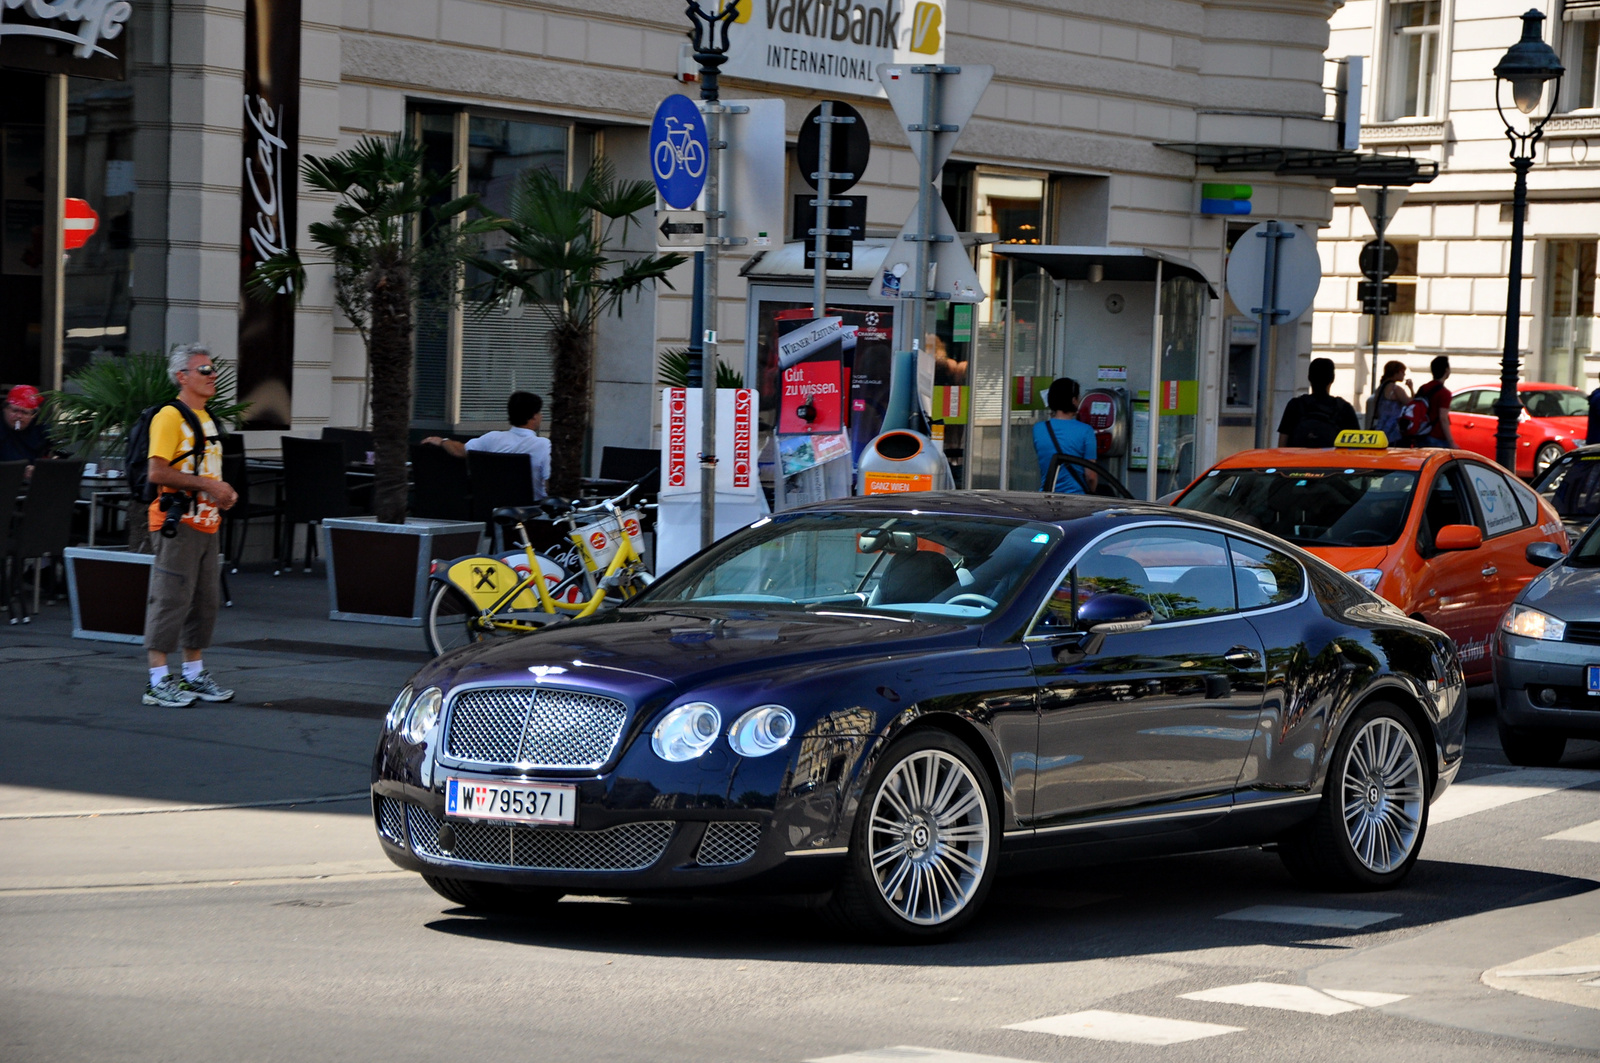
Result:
811,357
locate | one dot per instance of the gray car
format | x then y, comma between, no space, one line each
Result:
1547,655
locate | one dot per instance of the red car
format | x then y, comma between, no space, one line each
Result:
1555,419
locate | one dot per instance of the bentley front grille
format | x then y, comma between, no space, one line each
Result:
728,843
627,847
534,728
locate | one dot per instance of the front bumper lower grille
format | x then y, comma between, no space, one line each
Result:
627,847
728,843
533,727
391,820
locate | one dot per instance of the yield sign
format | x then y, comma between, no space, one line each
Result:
80,223
950,271
958,97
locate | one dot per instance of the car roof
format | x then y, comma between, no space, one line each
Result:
1522,385
1333,457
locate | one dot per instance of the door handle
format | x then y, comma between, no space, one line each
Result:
1489,570
1242,657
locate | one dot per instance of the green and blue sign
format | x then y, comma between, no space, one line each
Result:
1225,199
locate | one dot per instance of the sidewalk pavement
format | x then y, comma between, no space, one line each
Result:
98,790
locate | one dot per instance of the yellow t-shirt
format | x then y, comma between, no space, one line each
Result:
170,438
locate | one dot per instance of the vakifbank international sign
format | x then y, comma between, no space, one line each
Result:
832,45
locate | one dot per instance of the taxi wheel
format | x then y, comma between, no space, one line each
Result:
492,897
1531,749
1546,454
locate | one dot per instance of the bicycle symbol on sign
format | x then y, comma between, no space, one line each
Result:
679,149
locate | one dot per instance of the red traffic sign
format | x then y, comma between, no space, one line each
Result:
80,223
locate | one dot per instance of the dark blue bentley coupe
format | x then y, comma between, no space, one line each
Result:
886,701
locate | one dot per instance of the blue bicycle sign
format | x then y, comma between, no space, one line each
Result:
678,152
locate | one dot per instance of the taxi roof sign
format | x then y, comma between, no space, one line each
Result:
1358,439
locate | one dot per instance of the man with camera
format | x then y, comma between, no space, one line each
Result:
185,463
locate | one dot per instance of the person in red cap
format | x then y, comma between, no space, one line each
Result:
22,437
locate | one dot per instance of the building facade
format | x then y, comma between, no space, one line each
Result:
1093,135
1430,92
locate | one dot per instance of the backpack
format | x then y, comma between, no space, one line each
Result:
139,449
1318,424
1416,417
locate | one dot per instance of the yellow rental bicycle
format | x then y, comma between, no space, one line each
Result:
479,597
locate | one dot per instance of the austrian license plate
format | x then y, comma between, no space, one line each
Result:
1594,680
512,802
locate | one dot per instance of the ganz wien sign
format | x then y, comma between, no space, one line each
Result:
832,45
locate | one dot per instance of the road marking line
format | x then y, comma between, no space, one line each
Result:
1503,788
901,1053
1589,832
1294,915
1129,1029
1293,998
90,813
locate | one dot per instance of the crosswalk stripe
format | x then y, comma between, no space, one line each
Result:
1503,788
1129,1029
1341,918
1293,998
902,1053
1589,832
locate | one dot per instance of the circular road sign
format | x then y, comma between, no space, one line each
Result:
1299,272
79,223
851,147
679,152
1369,260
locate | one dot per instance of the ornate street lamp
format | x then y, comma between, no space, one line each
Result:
1526,66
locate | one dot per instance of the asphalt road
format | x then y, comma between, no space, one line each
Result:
140,921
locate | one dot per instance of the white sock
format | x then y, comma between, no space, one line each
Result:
157,675
192,669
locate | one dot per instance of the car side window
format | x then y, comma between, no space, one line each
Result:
1447,504
1466,402
1496,502
1183,573
1264,577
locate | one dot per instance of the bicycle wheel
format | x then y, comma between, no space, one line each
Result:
451,620
665,161
694,160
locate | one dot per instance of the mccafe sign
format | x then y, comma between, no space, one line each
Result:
832,45
82,24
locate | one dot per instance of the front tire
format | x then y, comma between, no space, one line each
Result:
925,844
1369,828
492,897
1531,749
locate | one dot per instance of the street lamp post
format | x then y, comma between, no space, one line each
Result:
1527,66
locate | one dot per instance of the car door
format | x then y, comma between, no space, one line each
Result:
1510,523
1471,422
1455,589
1154,717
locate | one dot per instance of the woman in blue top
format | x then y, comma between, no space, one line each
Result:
1063,433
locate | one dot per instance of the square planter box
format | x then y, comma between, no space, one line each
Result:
378,573
108,588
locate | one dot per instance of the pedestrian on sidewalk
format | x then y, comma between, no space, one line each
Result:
1391,397
1064,434
1315,420
1426,420
185,462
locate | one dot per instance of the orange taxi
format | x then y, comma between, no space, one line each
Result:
1443,534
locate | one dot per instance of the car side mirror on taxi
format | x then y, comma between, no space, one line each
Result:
1543,554
1102,615
1458,537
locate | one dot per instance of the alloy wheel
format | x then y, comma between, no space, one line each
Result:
1383,795
929,837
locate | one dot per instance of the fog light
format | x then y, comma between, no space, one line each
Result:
1547,696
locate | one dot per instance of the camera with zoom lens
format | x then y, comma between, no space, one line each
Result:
174,504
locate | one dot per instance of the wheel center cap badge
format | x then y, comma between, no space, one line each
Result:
1373,795
919,837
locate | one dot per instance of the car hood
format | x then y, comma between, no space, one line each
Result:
1566,592
642,652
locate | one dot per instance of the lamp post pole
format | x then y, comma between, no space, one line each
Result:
1528,65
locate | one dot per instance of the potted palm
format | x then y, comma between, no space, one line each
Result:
395,238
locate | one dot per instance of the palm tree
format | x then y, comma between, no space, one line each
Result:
395,239
561,260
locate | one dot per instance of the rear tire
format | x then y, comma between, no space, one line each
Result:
1545,455
449,621
493,897
1369,828
1531,749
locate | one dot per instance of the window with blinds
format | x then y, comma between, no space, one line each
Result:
503,350
1580,43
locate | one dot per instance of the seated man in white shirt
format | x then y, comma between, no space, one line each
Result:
523,410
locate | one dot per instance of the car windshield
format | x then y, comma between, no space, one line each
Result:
1556,403
937,565
1311,507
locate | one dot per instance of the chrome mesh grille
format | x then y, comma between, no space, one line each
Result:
537,728
391,820
728,843
627,847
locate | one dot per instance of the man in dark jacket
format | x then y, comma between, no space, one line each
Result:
22,437
1314,420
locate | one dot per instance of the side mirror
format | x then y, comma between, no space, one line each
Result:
1543,554
1458,537
1114,614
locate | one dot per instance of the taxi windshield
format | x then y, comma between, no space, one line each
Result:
1310,507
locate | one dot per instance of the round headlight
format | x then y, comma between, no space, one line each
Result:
424,714
686,732
761,730
397,711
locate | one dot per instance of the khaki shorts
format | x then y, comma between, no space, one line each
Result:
185,591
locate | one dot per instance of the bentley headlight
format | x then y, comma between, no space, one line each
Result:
397,711
686,732
1532,624
761,731
1367,577
424,714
